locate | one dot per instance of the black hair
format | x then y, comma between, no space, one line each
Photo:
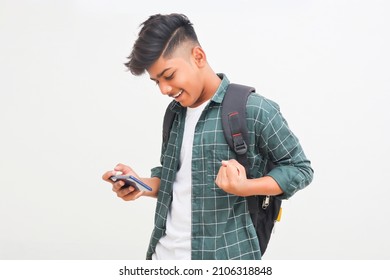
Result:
159,35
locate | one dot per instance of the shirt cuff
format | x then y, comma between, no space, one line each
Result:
288,179
156,172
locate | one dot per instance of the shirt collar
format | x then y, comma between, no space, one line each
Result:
220,93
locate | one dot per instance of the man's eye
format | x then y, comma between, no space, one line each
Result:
170,77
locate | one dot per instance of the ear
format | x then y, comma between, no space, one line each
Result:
199,56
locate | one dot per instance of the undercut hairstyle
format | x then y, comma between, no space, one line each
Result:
160,35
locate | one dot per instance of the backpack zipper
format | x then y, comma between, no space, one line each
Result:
265,202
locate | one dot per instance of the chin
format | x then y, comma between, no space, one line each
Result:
184,104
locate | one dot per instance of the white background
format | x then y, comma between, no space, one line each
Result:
69,111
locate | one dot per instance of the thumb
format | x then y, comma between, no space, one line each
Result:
232,168
123,168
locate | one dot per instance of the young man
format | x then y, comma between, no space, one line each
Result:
201,210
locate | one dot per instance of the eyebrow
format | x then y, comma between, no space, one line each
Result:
162,73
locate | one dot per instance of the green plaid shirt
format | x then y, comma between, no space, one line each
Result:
221,225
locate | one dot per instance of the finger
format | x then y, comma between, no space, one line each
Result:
117,186
221,176
230,162
232,169
221,172
132,195
106,176
122,192
218,178
123,168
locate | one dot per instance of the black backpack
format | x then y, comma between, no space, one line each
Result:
264,210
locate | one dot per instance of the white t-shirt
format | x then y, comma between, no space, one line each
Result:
176,244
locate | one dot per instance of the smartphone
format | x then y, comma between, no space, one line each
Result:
131,181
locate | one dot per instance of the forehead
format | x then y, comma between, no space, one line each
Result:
164,64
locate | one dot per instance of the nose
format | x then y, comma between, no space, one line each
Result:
165,88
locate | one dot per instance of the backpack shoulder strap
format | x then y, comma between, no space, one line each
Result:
234,120
167,123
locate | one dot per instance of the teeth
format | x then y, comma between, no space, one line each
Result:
178,94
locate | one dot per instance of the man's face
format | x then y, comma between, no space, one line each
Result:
179,77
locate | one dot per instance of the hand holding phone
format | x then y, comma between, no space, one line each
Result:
130,180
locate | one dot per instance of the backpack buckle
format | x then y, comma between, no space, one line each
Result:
239,144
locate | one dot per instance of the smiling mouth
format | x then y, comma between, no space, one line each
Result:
177,94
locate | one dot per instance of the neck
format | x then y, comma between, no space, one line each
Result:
211,82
